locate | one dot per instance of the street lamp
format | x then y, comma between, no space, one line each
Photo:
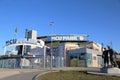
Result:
51,51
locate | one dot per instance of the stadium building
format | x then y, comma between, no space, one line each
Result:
74,50
24,53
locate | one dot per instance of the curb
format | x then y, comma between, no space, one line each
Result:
49,71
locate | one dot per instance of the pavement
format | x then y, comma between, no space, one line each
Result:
107,72
104,74
8,73
4,72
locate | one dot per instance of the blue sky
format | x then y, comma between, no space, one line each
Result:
100,19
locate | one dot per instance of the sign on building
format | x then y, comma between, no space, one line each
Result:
67,38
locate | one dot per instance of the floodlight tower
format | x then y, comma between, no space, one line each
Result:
15,33
51,51
111,45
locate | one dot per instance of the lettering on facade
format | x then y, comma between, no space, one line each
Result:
12,41
67,38
30,41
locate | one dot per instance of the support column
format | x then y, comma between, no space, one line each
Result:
44,56
5,50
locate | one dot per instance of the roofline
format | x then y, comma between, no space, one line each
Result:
41,37
18,44
64,35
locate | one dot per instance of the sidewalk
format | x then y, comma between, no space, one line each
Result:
76,68
8,72
4,72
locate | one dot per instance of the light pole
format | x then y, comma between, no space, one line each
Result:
51,51
15,33
111,46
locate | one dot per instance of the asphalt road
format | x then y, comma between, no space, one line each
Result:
23,76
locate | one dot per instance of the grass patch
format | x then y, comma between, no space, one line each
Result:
74,75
